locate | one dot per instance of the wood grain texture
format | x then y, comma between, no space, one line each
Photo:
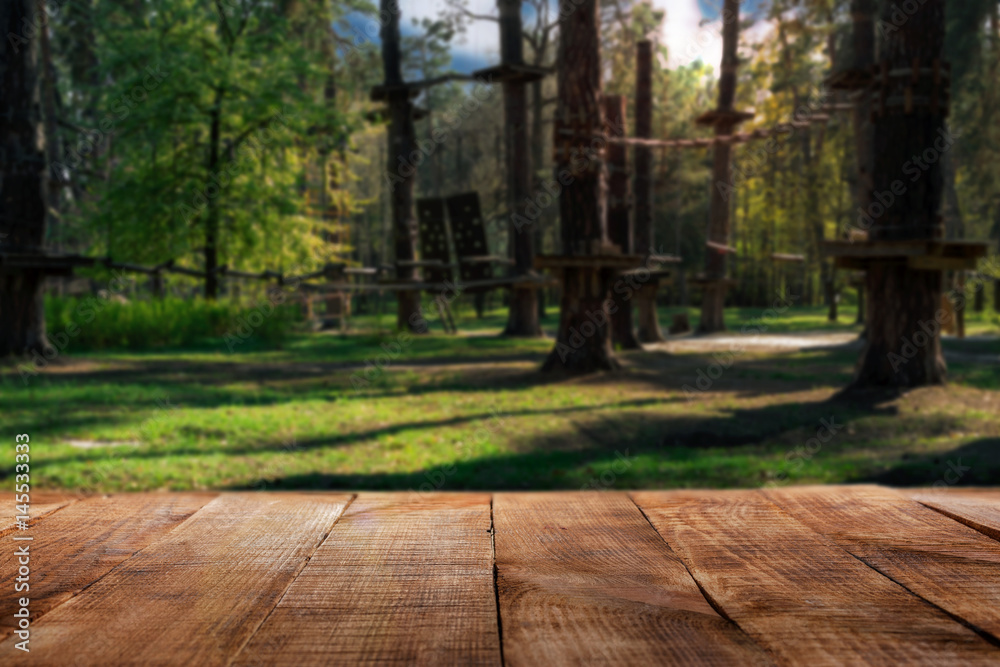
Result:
77,545
804,599
584,579
950,565
195,596
980,511
402,579
41,505
974,492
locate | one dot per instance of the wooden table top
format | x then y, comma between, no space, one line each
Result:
796,575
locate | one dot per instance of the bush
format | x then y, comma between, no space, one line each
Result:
94,323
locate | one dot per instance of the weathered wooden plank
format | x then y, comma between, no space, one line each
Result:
402,578
195,596
978,510
797,594
74,547
583,578
950,565
41,505
975,492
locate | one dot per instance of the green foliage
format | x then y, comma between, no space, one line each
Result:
143,190
197,127
101,324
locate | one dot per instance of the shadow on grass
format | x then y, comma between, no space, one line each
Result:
211,384
973,464
341,440
613,444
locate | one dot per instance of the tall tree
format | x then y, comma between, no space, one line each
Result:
620,230
539,35
863,15
208,146
899,351
642,187
523,316
714,297
583,343
402,143
22,180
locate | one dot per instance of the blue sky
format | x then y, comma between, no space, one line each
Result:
710,8
683,33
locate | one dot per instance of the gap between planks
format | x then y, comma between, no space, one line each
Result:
496,576
402,578
949,565
49,505
824,605
292,581
71,559
978,509
196,593
584,577
705,594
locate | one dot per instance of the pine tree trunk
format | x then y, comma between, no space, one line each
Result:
22,182
903,346
712,309
899,352
522,320
540,48
399,170
522,316
831,299
619,223
642,188
537,160
649,323
714,296
53,147
863,13
861,304
212,212
583,343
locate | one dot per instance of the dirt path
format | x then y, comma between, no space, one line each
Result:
758,342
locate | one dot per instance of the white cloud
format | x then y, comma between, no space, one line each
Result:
482,38
686,39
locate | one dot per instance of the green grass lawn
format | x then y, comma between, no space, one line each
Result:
472,412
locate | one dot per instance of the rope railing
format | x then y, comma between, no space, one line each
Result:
334,273
737,138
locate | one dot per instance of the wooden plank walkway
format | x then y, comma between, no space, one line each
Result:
808,575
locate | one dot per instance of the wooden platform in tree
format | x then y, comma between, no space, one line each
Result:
662,275
721,248
664,259
787,576
705,281
850,79
382,93
936,255
723,117
788,258
621,262
512,72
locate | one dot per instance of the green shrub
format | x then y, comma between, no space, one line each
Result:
94,323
